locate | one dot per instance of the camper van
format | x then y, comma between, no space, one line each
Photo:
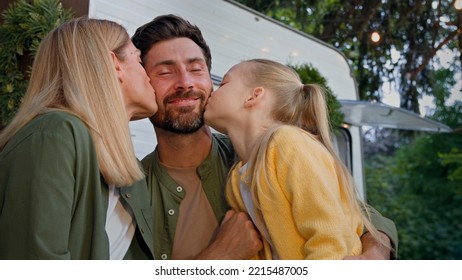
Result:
234,33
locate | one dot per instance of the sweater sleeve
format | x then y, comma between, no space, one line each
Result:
309,191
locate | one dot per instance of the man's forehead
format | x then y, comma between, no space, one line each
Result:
178,49
178,44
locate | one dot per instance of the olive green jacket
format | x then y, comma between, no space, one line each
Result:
53,200
166,196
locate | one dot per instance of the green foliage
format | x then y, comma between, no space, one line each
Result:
411,34
453,161
442,81
25,25
421,190
310,75
449,115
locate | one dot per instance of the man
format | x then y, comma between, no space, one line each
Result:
188,169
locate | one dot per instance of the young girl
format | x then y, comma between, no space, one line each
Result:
289,178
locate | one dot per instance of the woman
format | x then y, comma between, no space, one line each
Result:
289,179
67,155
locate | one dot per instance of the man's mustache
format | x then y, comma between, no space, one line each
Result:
185,94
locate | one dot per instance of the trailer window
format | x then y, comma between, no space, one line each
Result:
342,143
216,80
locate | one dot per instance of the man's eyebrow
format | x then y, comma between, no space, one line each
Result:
172,62
164,62
195,59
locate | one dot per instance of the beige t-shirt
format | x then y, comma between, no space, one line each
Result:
197,223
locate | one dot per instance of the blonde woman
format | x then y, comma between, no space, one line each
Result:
70,185
289,179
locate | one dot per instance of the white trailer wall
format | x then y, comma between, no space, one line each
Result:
235,33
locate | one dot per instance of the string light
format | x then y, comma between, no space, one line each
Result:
375,36
458,4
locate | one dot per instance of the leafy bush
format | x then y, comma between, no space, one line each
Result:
310,75
420,189
24,26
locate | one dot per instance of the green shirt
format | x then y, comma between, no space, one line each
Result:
166,198
53,200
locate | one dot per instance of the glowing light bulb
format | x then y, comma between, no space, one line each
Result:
375,36
458,4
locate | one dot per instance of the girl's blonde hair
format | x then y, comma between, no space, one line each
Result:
73,71
299,105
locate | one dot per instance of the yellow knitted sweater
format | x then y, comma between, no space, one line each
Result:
304,209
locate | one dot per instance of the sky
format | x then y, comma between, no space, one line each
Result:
391,97
427,103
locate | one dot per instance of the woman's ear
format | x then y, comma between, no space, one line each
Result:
254,97
118,67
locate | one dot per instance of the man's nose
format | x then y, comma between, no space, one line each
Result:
184,80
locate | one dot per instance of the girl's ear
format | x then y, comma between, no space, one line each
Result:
255,97
118,67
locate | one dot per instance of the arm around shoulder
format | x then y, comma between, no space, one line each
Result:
388,234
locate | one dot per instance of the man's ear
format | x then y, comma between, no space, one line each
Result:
118,67
254,97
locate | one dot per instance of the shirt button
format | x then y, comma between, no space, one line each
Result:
171,212
127,195
179,189
163,256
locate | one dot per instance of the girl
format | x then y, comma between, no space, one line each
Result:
289,179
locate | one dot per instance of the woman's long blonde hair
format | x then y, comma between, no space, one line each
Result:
303,106
73,71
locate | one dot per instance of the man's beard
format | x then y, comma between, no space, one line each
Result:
181,120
